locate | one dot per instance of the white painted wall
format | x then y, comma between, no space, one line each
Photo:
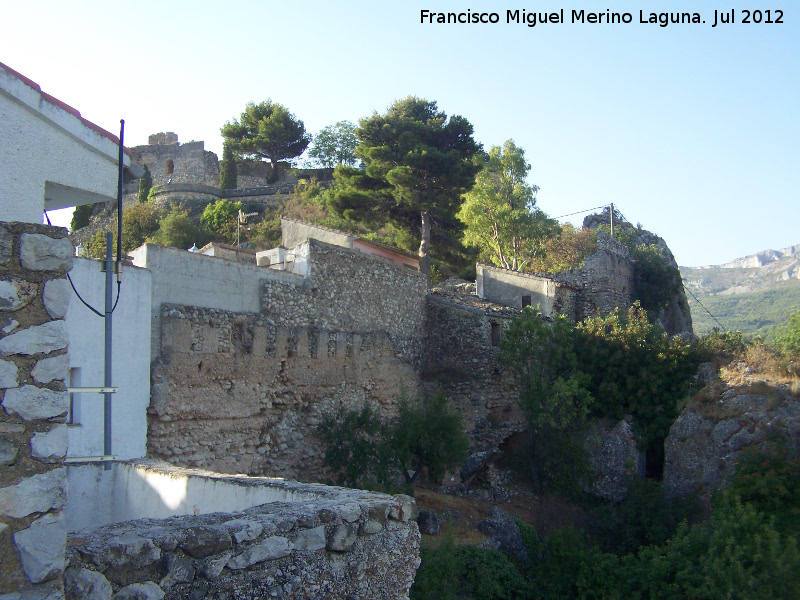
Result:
46,151
130,360
186,278
157,491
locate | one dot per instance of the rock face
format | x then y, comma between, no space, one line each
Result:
504,532
614,456
675,317
706,442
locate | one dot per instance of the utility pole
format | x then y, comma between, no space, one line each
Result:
612,219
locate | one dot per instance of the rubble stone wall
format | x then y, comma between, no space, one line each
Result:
191,163
322,542
34,297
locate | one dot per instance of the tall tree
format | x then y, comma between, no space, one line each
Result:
145,184
336,145
267,130
500,212
227,169
419,163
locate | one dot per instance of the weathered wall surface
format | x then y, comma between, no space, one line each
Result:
336,543
604,282
130,367
461,360
510,287
190,162
242,393
34,297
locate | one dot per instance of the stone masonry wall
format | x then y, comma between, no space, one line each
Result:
242,392
341,544
604,282
191,163
351,292
34,296
461,361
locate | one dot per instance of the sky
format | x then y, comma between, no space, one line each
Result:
689,129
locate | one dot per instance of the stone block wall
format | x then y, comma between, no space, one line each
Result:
242,392
461,360
34,297
341,544
604,282
191,163
351,292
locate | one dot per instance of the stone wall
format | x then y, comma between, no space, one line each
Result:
604,282
190,162
34,297
325,542
242,393
461,361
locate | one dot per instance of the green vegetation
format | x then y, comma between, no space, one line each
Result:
419,163
228,173
178,230
747,549
635,368
139,223
369,452
553,393
335,145
221,217
757,313
266,130
145,185
81,216
500,212
565,250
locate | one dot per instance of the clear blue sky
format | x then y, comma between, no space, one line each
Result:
691,130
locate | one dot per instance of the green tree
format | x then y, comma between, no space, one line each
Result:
96,246
419,163
227,169
81,216
139,222
553,393
564,251
500,212
220,218
266,130
788,337
177,230
145,184
636,368
335,145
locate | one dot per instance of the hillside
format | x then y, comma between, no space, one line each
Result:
753,294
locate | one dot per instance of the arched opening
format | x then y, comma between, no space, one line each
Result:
170,167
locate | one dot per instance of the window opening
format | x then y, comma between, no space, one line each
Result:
496,329
526,301
170,167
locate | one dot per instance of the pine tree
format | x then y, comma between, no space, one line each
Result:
227,169
145,183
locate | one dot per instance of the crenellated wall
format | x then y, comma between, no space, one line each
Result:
34,297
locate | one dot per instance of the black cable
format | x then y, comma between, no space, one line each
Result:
580,212
74,289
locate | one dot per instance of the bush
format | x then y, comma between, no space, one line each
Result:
451,573
139,222
368,452
788,336
177,230
81,216
221,218
656,280
636,368
96,246
553,393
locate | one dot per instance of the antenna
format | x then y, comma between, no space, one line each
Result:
241,218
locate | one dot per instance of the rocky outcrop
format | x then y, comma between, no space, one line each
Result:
614,457
707,440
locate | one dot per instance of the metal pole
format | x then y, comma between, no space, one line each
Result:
119,194
109,269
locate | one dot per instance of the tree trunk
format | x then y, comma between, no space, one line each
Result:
424,257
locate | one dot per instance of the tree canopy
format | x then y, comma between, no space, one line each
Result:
500,212
419,163
228,172
335,145
266,130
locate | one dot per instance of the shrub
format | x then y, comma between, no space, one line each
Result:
139,222
177,230
81,216
365,451
221,218
788,337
